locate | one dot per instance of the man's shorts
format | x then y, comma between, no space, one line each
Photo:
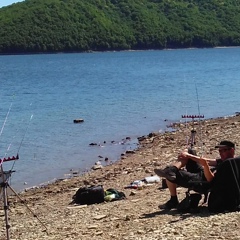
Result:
195,181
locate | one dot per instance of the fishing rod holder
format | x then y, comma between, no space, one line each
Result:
4,176
192,116
9,158
192,141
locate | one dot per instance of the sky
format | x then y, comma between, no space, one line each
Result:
4,3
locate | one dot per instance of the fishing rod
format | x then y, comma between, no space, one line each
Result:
17,156
5,120
5,177
199,122
3,126
192,141
6,159
25,133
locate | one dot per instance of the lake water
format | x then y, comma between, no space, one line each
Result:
118,94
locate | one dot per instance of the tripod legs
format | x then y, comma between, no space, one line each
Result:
4,186
5,206
27,207
193,136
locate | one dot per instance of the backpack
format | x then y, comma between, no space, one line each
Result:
89,195
225,191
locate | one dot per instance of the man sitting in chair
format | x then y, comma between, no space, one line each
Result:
198,170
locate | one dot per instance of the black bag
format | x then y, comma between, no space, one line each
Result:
89,195
190,203
225,192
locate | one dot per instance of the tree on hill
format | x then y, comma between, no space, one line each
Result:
36,26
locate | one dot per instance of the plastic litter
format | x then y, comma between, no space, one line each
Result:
152,179
137,184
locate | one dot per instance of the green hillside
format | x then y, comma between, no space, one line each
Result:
104,25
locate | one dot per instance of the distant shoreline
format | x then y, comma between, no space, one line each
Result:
127,50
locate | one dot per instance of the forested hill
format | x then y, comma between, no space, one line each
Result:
103,25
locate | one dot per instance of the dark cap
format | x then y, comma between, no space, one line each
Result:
226,143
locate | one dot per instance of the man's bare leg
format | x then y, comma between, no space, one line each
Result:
173,202
172,188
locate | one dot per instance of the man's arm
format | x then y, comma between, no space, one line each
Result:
211,162
206,169
205,162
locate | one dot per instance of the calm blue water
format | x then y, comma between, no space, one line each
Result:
118,94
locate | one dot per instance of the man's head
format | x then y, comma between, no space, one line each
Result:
226,149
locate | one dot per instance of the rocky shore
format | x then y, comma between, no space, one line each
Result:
136,217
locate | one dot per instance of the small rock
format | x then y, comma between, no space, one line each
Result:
92,226
99,217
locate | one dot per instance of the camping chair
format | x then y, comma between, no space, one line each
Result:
202,188
191,201
223,194
225,189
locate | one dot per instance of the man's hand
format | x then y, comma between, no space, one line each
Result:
202,161
183,154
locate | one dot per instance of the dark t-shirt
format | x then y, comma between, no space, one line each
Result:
219,162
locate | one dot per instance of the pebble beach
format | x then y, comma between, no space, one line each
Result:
46,212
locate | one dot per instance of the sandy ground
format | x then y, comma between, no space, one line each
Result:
136,217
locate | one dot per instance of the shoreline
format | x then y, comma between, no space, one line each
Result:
107,51
137,217
169,127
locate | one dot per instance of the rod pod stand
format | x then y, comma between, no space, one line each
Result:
193,131
4,185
